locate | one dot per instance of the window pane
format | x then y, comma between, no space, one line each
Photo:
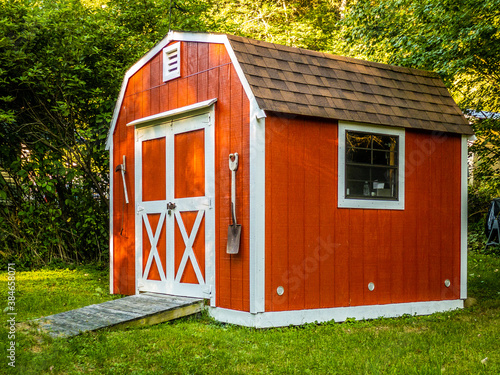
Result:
371,182
358,173
383,175
359,156
371,166
384,158
355,189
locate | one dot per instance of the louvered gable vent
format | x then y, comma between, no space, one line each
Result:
171,62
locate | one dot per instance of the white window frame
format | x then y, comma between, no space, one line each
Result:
167,75
378,204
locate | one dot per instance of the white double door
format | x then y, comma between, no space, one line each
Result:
175,217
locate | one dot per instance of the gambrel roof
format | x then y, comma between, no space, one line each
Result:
302,82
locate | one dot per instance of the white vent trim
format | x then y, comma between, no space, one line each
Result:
171,61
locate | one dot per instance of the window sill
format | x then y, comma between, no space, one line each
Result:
375,204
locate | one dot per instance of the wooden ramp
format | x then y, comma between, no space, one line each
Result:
132,311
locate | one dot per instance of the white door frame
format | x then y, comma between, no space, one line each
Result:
167,126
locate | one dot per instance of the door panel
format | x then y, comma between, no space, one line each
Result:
190,247
190,164
154,246
154,169
175,218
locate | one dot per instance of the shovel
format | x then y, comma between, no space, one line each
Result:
234,230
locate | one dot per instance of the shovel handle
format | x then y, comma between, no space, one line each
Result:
233,161
233,166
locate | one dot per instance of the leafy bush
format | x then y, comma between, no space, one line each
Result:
62,62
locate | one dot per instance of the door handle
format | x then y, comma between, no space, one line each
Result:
170,206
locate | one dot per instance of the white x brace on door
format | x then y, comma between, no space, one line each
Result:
175,219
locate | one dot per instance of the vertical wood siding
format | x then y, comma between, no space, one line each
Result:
326,257
206,73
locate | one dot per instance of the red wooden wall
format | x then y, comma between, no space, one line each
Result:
206,73
324,256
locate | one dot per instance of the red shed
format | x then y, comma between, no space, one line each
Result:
350,189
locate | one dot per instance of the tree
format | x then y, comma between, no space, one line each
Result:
62,63
298,23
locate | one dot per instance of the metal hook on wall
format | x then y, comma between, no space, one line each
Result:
122,169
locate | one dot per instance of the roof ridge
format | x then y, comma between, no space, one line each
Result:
332,56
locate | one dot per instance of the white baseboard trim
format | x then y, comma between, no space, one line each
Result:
339,314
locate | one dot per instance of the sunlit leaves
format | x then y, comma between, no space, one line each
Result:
298,23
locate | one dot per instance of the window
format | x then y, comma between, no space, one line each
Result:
171,62
371,167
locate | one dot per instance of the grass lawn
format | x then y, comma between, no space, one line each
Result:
459,342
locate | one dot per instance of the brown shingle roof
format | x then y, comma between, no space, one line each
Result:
302,82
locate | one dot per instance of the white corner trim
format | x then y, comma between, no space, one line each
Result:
111,197
344,202
338,314
463,217
174,112
138,209
257,209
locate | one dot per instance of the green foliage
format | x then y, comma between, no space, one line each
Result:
298,23
476,239
62,63
485,175
484,276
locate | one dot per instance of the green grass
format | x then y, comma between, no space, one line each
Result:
451,343
46,292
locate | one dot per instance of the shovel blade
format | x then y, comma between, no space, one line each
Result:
233,239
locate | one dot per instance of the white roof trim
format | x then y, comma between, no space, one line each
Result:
173,112
186,37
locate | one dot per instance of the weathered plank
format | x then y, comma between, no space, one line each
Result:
138,310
